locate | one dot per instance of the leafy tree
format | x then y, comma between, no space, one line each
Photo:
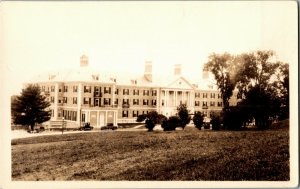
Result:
220,65
151,119
184,116
283,86
258,86
198,119
30,107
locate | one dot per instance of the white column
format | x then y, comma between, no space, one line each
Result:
157,100
105,118
98,124
55,101
113,95
165,98
176,98
79,89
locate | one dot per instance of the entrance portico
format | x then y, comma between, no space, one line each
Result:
99,118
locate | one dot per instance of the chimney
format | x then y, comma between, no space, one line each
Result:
177,69
148,71
205,73
84,61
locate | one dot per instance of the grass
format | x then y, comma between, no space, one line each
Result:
181,155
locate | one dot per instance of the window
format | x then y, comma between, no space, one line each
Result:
135,101
87,89
219,104
204,103
135,113
52,99
107,90
219,95
153,102
145,102
52,88
162,102
204,95
96,102
125,91
154,93
59,90
65,100
59,101
146,92
86,100
75,89
212,95
65,88
125,101
125,113
83,117
212,104
197,95
197,103
74,100
116,101
117,91
135,92
106,101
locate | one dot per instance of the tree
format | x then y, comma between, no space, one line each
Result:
257,86
30,107
183,114
220,66
215,121
151,119
198,119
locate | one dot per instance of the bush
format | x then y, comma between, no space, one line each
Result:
171,123
198,120
233,119
215,122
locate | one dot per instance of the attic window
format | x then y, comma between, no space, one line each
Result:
95,77
133,81
179,82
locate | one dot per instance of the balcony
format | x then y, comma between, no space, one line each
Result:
125,105
97,94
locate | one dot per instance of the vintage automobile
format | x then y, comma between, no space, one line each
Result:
109,126
86,127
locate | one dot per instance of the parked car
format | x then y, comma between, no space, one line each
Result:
86,127
109,126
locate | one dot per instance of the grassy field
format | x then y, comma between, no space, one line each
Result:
182,155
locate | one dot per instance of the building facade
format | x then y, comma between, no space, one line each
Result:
85,95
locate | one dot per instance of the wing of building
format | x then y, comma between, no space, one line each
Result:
87,95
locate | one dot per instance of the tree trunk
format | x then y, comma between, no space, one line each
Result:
32,126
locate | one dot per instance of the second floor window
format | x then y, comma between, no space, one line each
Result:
135,101
204,103
145,102
107,90
154,93
87,89
74,89
125,113
125,91
65,100
197,103
135,92
74,100
106,101
125,101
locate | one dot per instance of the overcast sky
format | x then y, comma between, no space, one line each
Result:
120,36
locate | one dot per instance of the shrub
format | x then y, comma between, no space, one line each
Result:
198,120
233,119
171,123
215,122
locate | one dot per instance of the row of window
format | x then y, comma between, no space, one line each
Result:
205,95
134,113
107,101
204,103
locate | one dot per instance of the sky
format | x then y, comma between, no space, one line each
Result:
120,36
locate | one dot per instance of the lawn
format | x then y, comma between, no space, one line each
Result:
181,155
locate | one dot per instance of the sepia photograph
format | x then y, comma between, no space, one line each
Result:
151,94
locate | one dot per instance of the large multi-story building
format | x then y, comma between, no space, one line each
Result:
85,95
